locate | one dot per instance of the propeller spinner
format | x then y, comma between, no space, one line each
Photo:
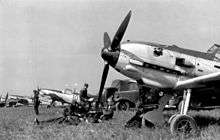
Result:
111,50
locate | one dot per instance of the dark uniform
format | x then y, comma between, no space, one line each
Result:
142,96
36,102
83,93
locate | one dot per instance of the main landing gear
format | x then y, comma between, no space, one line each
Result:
180,123
183,123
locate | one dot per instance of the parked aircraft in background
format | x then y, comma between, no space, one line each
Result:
167,67
55,95
15,100
50,96
3,100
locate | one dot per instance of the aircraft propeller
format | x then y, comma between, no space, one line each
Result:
110,51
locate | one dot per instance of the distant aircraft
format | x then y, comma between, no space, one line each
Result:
15,101
18,100
3,100
166,67
66,96
54,95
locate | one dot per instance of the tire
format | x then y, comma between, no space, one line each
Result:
122,106
171,118
183,124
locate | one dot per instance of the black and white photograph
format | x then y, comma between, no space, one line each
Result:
109,69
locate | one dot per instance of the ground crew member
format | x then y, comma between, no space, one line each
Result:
83,93
142,96
36,101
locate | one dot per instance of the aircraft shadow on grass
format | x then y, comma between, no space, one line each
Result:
73,120
202,122
205,121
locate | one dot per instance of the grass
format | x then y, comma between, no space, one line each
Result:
17,124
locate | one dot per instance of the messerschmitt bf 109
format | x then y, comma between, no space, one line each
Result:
15,101
64,96
57,95
78,108
166,67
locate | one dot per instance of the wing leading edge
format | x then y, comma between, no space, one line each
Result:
197,82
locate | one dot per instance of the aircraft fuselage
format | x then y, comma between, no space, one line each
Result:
162,66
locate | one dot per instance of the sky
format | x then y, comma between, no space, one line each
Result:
56,43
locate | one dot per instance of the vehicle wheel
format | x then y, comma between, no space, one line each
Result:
183,124
123,106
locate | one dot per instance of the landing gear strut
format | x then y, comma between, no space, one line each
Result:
179,123
182,123
153,114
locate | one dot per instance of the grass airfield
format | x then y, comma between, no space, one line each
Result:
18,124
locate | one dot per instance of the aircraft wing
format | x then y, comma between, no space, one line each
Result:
201,81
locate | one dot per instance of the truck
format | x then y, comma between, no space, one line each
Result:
126,96
126,93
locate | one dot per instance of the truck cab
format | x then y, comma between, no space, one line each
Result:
125,92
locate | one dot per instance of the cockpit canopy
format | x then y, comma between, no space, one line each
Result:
215,52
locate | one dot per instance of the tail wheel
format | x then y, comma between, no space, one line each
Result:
124,106
183,124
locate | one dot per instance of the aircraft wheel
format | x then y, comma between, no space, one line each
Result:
171,118
123,106
183,124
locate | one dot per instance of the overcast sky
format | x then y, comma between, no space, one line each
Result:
55,44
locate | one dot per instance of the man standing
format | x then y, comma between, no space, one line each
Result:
83,92
36,101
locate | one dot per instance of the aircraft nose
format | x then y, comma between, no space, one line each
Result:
110,56
41,92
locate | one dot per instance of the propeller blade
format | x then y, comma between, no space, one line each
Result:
104,76
107,40
38,88
6,97
120,33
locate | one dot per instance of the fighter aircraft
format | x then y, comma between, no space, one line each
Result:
57,95
65,96
18,100
167,67
3,100
15,101
78,108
